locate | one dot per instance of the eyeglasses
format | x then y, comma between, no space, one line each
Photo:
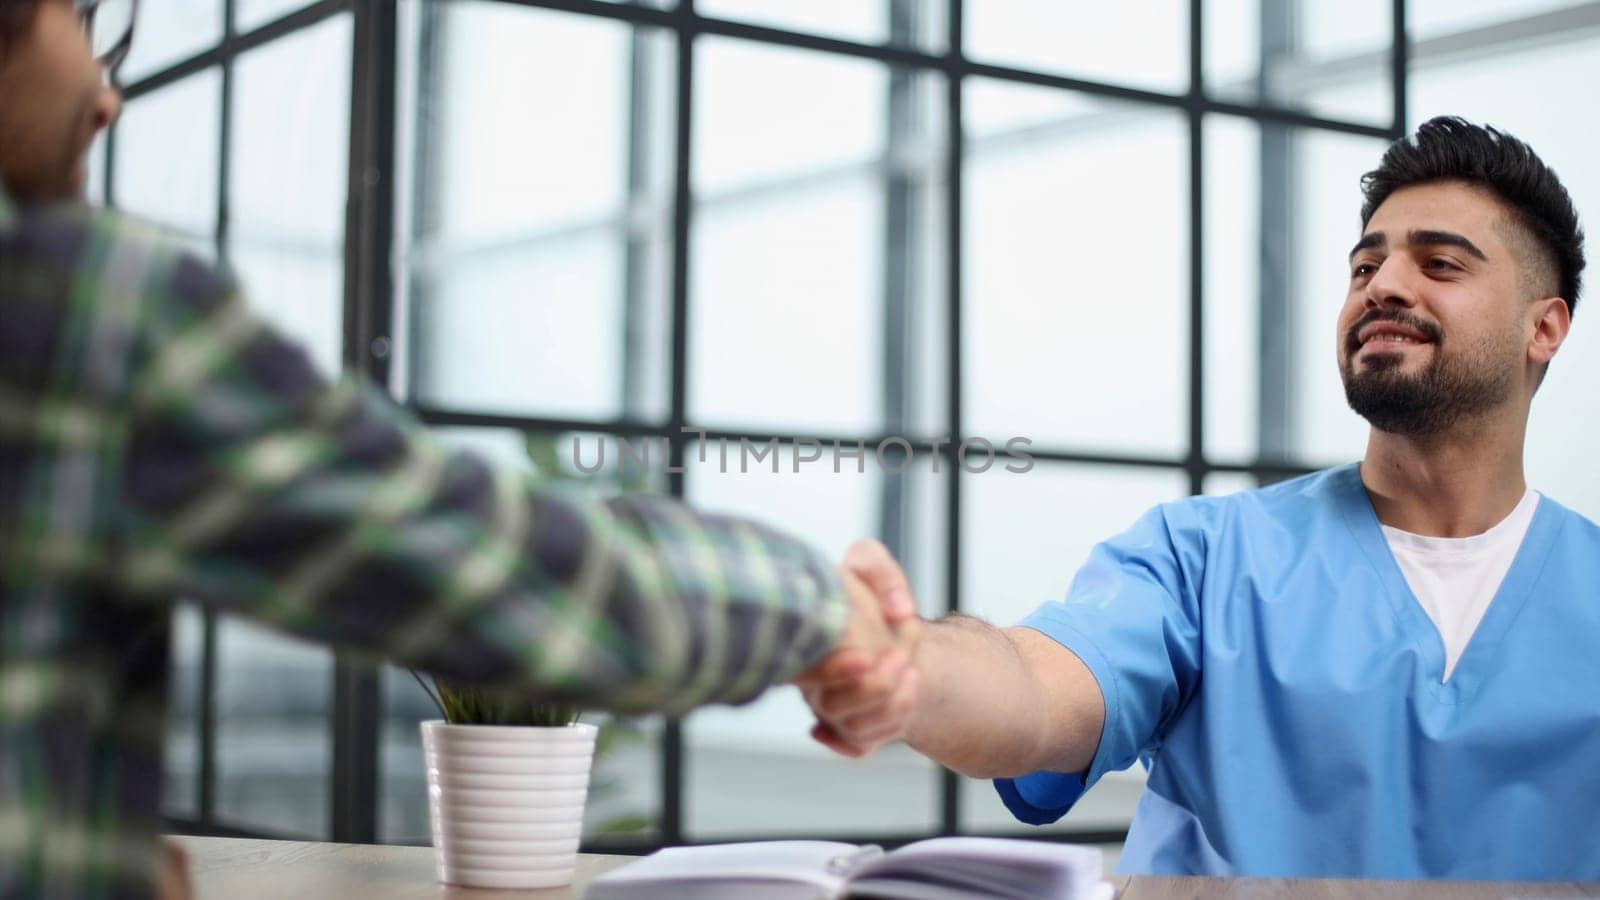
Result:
109,25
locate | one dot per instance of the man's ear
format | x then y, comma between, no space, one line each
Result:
1552,320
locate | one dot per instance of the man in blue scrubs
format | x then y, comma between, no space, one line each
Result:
1385,670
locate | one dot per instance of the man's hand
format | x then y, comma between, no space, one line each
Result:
984,701
864,692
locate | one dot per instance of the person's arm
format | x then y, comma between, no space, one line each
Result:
1082,688
983,701
1003,702
327,512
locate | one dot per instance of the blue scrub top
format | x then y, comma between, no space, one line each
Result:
1263,655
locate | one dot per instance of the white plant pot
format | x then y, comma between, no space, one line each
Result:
506,802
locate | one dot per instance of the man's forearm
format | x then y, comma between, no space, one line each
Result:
1002,703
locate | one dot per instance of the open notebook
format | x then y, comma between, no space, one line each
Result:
956,868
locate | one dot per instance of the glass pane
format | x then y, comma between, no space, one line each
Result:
1495,88
537,274
1020,550
480,326
758,119
1232,49
403,785
755,769
1232,288
274,748
94,172
1142,43
1354,99
181,797
1325,224
926,518
1281,216
291,127
1429,19
169,31
866,21
625,785
796,318
1302,56
251,14
927,325
1221,484
1061,339
166,159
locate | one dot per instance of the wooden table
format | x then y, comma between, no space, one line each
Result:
242,869
248,869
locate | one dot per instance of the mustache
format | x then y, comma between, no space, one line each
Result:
1352,340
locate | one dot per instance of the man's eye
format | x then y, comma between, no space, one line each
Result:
1363,270
1439,262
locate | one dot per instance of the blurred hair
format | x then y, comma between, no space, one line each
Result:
1449,148
15,17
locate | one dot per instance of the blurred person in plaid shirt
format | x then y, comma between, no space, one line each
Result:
158,440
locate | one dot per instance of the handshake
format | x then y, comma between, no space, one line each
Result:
865,692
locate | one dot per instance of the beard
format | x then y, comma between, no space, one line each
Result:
1452,387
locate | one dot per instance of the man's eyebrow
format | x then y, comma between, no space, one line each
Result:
1425,237
1368,241
1433,238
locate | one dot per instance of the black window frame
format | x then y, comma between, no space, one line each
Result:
370,315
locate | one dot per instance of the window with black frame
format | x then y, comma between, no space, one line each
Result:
1116,233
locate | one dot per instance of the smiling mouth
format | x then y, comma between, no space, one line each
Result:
1389,341
1389,334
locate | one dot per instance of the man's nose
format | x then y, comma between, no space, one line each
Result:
107,106
1390,286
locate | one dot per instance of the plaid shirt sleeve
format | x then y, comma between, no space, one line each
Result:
157,440
326,512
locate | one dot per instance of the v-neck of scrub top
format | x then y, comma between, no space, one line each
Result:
1478,659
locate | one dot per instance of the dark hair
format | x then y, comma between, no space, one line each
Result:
1449,148
15,16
